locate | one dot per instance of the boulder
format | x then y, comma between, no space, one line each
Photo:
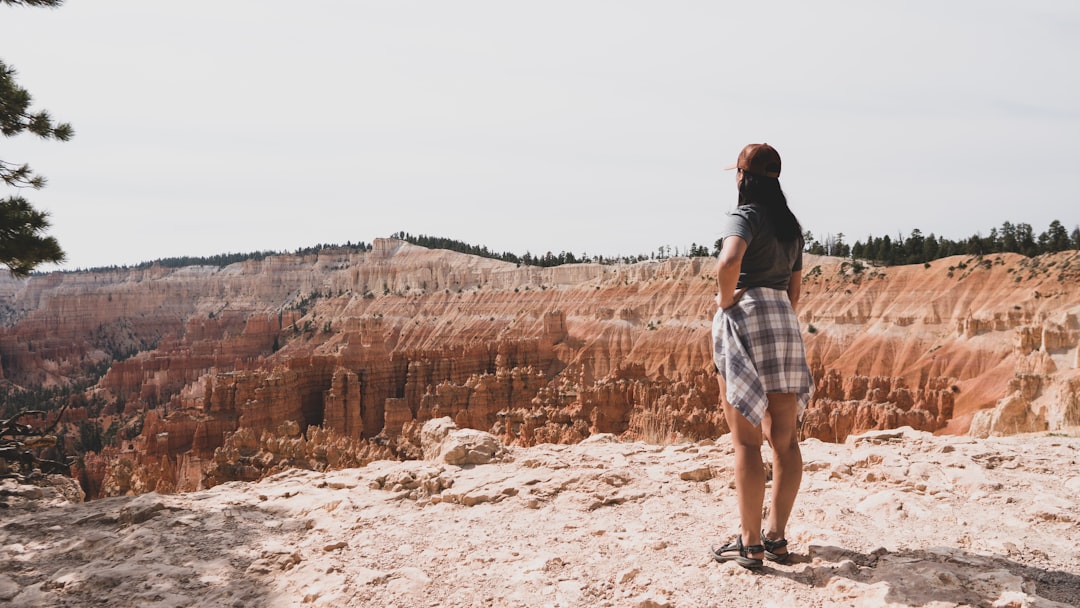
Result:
442,441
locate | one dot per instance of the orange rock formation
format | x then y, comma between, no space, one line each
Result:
349,351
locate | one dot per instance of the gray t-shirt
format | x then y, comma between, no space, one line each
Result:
767,262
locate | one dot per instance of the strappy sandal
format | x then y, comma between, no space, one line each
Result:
739,553
772,545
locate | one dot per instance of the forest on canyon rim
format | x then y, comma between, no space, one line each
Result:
182,377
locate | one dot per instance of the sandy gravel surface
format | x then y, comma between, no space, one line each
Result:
892,518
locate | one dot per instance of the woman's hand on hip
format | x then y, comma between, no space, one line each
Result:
727,303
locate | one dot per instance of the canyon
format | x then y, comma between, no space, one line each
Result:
337,358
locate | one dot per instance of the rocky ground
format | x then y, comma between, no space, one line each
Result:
890,518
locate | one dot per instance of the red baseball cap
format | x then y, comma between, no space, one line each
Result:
759,159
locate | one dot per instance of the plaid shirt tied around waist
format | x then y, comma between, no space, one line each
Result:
758,349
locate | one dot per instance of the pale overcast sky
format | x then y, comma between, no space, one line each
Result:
590,127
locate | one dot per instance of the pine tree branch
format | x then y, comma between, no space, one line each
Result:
20,176
22,246
15,115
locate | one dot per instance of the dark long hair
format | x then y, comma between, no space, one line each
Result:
766,192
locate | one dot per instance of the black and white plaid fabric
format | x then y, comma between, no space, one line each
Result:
758,349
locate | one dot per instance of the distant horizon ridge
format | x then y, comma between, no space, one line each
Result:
915,249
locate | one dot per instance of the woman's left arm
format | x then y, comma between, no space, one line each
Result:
727,271
794,288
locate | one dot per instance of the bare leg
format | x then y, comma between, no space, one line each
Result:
749,471
780,427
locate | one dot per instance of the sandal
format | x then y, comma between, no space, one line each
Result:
772,545
739,553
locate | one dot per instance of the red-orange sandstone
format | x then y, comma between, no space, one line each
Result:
368,345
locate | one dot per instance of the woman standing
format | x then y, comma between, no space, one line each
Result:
758,350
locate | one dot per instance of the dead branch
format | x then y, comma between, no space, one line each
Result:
20,445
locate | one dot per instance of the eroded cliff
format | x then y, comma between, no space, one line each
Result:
339,356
